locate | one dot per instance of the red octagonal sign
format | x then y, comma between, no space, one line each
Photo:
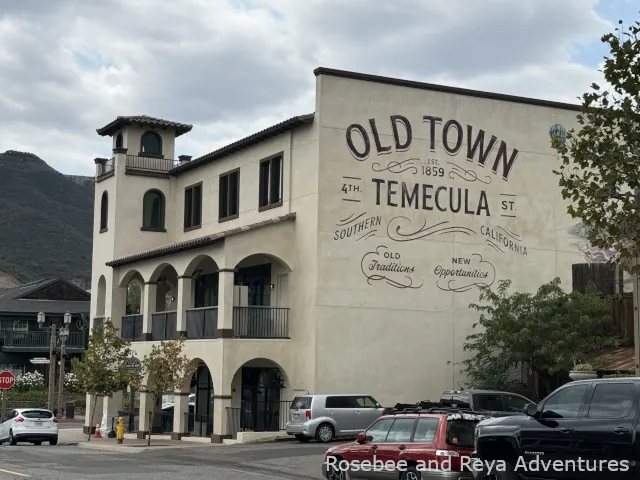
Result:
6,380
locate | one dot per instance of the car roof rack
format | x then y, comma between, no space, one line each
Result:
431,409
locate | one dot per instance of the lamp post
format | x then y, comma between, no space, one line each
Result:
52,352
64,335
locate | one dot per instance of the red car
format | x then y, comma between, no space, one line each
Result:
408,445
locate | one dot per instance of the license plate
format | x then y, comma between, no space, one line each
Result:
295,416
38,424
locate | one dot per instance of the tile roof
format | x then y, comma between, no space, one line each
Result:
621,359
119,122
253,139
196,242
11,299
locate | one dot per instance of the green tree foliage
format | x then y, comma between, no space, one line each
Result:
134,297
600,170
549,331
102,371
167,370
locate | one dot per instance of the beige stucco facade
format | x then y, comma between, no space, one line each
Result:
398,201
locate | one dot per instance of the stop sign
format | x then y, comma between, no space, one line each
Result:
6,380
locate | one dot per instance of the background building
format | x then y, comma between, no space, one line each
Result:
334,252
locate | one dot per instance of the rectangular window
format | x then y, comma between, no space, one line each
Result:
229,201
270,191
193,206
339,402
20,326
611,400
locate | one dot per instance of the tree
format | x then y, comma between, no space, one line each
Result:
600,170
167,369
102,372
549,331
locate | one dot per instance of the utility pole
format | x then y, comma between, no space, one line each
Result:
52,366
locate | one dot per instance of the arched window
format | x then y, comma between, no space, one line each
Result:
151,143
104,211
119,141
153,210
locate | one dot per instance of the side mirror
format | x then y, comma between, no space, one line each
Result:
531,409
362,437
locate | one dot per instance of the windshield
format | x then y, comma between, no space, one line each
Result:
301,403
460,433
36,414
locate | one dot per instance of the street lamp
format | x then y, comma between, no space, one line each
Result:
64,335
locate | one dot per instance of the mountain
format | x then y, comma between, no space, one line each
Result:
46,221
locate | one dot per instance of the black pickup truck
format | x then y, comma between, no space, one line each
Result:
586,429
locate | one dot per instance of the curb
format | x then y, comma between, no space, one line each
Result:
269,440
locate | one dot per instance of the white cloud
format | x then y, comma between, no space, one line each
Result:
232,67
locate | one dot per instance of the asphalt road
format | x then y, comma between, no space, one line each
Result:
288,461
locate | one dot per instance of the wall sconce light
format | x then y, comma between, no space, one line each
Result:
272,286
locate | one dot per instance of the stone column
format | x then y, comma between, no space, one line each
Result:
221,429
225,303
180,411
90,422
110,408
185,288
146,407
149,295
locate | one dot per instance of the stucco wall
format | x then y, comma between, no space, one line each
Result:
398,272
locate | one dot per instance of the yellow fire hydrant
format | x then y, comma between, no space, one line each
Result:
120,429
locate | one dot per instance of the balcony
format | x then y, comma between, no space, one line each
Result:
164,325
149,164
39,341
202,323
260,322
132,328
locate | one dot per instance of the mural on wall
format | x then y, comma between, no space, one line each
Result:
429,184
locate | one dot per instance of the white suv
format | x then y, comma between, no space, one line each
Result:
29,425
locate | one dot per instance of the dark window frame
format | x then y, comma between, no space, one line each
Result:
161,227
104,212
270,202
119,140
151,154
192,225
224,216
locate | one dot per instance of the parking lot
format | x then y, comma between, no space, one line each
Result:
285,460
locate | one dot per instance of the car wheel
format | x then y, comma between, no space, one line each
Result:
12,440
325,433
53,441
37,443
509,473
411,473
302,438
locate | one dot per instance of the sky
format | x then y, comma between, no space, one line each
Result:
234,67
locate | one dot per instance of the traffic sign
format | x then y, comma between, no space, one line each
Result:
6,380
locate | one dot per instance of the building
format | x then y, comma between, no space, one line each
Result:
24,343
336,251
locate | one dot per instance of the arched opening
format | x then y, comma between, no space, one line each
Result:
164,317
151,144
258,401
119,141
101,296
132,285
202,318
153,208
104,211
263,310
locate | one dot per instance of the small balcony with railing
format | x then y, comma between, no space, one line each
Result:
39,341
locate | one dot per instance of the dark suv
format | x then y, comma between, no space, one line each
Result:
586,429
485,401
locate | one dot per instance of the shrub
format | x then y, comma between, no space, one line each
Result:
29,381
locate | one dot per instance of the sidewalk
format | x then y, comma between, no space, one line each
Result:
75,437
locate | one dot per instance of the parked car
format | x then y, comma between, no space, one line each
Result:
594,423
431,443
29,425
505,403
325,417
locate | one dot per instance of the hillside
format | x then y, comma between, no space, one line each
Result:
46,220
